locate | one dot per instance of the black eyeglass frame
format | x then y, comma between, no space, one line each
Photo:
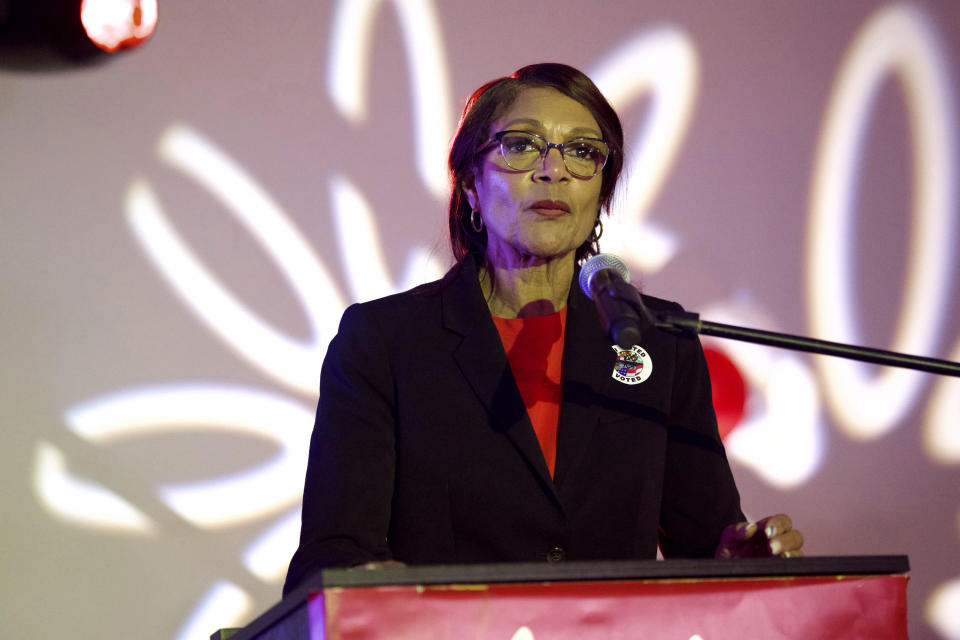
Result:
497,140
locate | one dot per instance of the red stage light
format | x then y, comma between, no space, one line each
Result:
118,24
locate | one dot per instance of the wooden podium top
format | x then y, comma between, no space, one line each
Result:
611,570
295,603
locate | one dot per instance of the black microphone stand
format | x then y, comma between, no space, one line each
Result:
689,323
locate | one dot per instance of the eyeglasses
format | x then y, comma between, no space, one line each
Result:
523,150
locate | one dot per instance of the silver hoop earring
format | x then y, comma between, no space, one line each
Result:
476,221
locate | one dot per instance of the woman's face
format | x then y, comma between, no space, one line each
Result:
545,212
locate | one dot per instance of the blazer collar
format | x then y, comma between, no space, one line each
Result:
588,361
483,363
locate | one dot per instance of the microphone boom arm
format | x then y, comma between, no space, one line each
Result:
689,323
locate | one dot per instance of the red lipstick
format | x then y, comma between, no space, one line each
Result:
550,208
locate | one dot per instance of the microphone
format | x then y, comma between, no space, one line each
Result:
606,279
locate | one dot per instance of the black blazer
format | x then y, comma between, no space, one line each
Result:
423,452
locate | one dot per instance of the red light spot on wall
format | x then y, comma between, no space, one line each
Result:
729,390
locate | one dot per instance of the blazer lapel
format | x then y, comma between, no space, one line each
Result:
588,360
481,359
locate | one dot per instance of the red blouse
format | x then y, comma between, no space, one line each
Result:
534,348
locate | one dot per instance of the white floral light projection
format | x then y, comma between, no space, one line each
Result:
659,74
896,40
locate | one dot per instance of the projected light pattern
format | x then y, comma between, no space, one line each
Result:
899,40
349,69
284,359
366,271
780,438
661,63
257,494
781,435
941,434
943,609
224,603
82,501
224,501
896,40
268,556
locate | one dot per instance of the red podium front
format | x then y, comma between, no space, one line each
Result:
847,597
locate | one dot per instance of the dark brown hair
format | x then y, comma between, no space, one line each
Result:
486,105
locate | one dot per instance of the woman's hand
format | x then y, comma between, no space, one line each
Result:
772,536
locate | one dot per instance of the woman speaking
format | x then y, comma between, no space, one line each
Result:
488,417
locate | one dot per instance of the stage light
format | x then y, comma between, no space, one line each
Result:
118,24
52,34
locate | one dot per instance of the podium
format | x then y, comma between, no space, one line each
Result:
818,597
